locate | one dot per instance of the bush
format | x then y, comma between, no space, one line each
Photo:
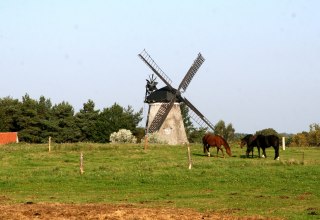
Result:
123,136
153,138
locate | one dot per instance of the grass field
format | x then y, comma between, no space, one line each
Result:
159,177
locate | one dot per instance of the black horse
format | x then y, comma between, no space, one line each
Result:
246,141
263,142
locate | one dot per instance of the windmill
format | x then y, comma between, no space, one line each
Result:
164,115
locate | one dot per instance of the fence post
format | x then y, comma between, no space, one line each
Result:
189,157
146,142
81,163
49,143
283,143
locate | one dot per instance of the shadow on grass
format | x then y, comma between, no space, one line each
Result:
213,156
200,155
250,157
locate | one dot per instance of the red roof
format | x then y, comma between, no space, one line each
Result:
8,137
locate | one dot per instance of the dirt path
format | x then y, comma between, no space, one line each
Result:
103,211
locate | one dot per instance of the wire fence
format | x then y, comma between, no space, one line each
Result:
306,155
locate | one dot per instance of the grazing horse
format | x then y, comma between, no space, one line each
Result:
247,140
263,142
209,140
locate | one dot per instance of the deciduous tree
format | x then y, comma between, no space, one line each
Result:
227,132
314,135
267,131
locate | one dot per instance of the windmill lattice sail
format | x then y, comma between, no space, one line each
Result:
159,118
191,72
155,68
197,116
201,121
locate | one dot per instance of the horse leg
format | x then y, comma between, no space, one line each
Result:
258,151
222,152
249,149
208,151
264,155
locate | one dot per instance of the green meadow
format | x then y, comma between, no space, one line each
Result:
159,177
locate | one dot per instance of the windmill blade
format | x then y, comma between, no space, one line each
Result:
155,68
191,72
197,116
161,115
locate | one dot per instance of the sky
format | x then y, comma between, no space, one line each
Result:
262,67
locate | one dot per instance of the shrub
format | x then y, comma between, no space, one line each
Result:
153,138
123,136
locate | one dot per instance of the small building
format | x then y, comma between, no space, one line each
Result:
9,137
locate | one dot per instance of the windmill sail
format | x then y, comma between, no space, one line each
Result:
191,72
197,116
155,68
161,116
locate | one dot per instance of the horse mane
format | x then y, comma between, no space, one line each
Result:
247,137
225,144
245,140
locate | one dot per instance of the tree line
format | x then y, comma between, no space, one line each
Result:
36,120
302,139
311,138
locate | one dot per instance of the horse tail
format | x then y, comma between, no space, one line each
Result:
205,149
276,148
277,141
204,142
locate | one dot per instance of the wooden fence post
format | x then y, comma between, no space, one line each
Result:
146,142
49,143
189,157
81,163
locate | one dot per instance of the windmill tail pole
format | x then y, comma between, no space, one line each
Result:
146,135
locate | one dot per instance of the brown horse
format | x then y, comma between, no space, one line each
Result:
209,140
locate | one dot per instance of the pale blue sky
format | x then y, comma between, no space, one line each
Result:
262,67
